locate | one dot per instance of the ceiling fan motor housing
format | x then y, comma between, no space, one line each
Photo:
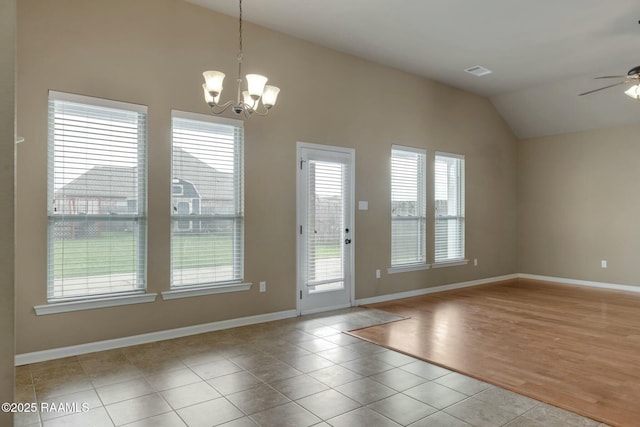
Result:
634,71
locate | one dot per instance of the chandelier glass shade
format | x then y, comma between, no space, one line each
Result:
258,98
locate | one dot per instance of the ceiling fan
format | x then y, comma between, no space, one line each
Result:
633,76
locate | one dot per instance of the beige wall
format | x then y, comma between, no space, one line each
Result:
578,205
152,52
7,177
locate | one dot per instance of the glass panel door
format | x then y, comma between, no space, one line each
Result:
325,230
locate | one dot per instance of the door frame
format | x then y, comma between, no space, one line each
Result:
350,265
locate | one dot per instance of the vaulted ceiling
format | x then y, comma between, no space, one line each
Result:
542,54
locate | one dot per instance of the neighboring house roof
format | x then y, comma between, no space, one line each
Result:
119,182
210,182
102,182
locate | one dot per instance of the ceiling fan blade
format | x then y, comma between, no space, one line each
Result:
602,88
611,77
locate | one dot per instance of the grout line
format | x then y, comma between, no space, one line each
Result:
229,357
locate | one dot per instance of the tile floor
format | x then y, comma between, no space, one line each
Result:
295,372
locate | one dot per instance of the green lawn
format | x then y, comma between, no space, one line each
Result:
327,251
115,253
202,250
112,253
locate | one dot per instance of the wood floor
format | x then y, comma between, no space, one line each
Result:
573,347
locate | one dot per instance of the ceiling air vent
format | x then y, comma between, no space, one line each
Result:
478,71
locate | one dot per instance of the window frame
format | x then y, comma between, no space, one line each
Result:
420,260
62,303
236,283
458,216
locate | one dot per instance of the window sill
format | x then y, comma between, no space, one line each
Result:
89,304
453,263
205,290
407,268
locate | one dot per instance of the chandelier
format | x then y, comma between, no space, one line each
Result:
259,97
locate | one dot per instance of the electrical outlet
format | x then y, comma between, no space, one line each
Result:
475,262
603,263
263,286
377,274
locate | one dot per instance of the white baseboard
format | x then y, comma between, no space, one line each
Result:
57,353
75,350
417,292
603,285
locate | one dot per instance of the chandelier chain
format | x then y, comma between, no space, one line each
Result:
240,44
240,29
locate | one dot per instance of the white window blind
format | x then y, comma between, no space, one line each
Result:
408,206
207,213
449,206
327,189
96,197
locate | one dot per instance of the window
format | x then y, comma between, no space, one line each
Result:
207,213
408,206
449,206
96,197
